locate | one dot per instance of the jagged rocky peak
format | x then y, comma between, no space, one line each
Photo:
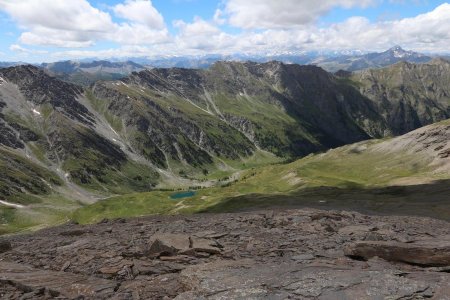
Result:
398,52
40,88
29,76
67,66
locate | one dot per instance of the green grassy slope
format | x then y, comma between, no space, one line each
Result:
32,188
362,176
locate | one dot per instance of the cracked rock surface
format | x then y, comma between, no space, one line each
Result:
285,254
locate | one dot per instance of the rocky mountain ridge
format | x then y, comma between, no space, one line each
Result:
373,60
175,126
86,73
408,95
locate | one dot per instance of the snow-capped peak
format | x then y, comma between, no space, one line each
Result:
399,52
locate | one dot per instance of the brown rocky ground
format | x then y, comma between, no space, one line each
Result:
295,254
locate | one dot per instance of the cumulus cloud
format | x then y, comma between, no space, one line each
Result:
140,11
22,50
75,23
58,23
203,36
268,27
269,14
425,32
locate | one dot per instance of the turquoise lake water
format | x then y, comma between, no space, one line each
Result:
182,195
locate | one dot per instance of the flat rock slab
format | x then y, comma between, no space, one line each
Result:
425,253
172,244
58,283
281,254
245,279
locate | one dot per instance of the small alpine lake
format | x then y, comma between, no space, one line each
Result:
181,195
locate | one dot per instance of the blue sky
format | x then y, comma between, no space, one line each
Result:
50,30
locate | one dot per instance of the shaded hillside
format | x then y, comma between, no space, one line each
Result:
289,110
408,95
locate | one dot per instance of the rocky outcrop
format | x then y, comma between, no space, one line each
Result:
39,88
429,252
296,254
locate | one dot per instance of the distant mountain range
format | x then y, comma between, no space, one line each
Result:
87,71
371,60
332,62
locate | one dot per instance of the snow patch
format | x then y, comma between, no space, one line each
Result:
36,112
112,129
2,81
11,204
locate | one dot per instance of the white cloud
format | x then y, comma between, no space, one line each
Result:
202,35
269,14
140,11
137,34
22,50
268,27
425,32
219,17
125,51
75,23
58,23
199,27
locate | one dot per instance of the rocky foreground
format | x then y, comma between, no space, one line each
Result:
296,254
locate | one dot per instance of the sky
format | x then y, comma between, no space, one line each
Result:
52,30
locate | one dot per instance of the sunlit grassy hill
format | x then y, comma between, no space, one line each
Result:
407,174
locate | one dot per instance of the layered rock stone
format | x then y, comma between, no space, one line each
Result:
296,254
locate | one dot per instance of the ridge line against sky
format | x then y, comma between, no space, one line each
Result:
50,30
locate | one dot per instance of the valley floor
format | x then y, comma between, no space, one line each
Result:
281,254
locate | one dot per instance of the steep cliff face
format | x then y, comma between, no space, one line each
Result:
407,95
